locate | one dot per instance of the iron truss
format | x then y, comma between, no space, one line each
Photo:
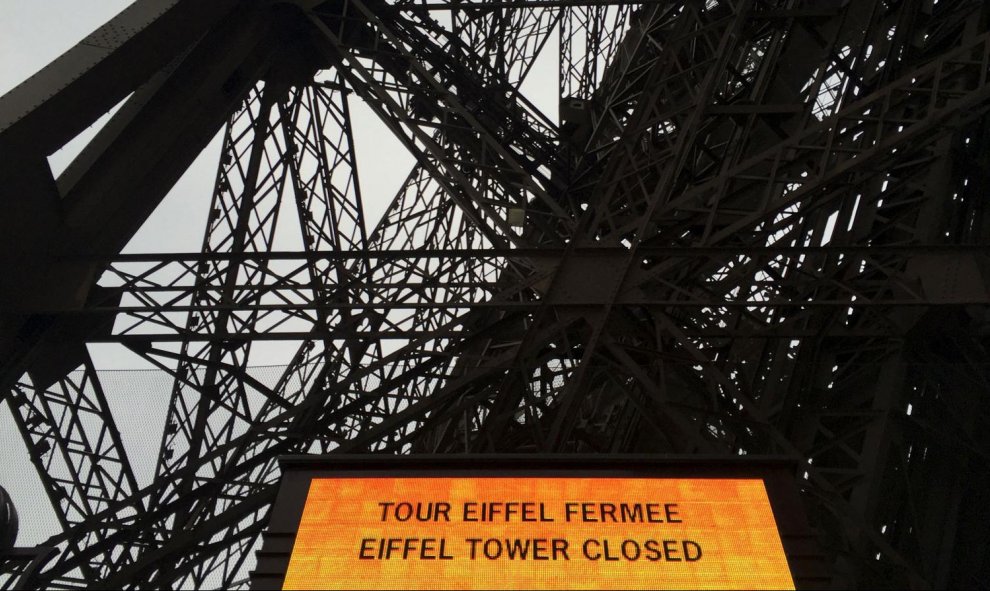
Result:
758,227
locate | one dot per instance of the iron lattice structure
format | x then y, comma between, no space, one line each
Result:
758,227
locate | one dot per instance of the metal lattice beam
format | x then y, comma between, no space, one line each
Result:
758,227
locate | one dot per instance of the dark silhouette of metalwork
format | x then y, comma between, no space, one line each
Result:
759,227
18,566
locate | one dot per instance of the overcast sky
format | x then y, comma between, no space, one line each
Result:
33,33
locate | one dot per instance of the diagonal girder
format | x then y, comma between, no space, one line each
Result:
753,226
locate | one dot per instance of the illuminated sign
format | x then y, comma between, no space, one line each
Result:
538,531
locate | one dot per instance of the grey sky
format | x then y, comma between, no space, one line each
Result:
34,32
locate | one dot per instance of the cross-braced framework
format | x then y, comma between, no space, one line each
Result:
758,227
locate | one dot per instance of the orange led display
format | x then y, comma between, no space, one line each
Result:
537,533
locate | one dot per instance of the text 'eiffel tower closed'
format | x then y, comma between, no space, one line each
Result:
756,227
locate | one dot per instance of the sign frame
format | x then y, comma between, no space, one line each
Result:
800,542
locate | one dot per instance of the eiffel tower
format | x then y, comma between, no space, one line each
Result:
755,227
